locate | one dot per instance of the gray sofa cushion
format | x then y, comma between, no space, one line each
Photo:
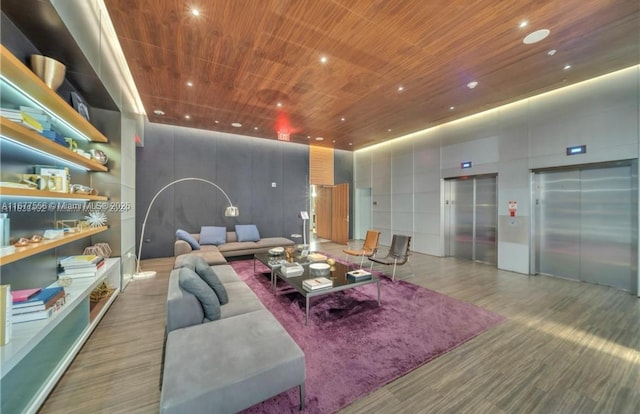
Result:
241,300
247,232
213,235
183,235
190,281
209,276
254,359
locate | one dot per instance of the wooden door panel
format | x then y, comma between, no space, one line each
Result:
340,214
323,211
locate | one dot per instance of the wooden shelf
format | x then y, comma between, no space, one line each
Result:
26,192
31,138
18,74
32,249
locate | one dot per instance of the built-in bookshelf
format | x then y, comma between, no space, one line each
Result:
40,351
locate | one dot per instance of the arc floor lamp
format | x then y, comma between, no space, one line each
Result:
229,211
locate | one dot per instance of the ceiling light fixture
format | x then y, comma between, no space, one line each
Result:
195,12
551,52
216,122
400,88
334,141
323,59
279,104
255,128
351,143
189,83
236,124
158,112
187,117
535,37
472,84
567,67
451,108
319,139
389,130
342,119
523,24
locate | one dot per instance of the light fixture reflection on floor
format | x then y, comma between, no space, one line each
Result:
229,211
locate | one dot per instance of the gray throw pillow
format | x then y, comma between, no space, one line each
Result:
192,283
247,233
213,235
209,276
183,235
189,261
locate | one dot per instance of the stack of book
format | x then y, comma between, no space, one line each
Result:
316,283
80,266
36,304
358,275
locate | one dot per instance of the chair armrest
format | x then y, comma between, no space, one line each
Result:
181,247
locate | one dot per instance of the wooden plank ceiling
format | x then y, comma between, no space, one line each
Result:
244,57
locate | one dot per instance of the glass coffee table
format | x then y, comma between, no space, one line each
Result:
274,262
337,275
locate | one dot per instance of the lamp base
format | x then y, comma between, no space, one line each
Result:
144,275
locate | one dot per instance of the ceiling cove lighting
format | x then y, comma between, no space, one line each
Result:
632,69
535,37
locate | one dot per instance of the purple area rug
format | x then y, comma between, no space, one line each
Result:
352,346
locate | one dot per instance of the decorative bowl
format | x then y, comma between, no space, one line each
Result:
319,269
276,251
49,70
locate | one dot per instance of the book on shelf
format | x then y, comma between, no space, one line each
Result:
32,316
358,275
5,314
23,295
81,260
57,301
41,298
317,283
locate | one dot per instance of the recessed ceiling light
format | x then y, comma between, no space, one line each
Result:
256,128
551,52
319,139
159,112
323,59
451,108
187,117
216,122
342,119
279,104
523,23
189,83
351,143
195,12
389,130
308,136
400,88
334,141
472,84
236,124
535,37
567,67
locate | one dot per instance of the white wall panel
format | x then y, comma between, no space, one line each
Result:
509,141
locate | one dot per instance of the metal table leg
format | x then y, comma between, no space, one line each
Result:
306,322
378,292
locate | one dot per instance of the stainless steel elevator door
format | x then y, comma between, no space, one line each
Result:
471,218
585,225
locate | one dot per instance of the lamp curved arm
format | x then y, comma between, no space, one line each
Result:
146,215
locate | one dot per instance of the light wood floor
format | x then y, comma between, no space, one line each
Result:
566,347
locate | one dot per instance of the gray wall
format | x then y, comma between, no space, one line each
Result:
405,175
244,167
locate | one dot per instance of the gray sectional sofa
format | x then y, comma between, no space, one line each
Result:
229,364
215,255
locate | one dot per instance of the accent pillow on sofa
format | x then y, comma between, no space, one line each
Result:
211,278
183,235
247,233
190,281
213,235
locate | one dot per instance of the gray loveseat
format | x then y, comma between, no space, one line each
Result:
229,364
215,255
